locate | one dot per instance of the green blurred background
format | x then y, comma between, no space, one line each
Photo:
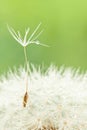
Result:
65,31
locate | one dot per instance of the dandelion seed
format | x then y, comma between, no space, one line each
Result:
24,42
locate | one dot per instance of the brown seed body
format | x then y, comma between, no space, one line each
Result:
25,99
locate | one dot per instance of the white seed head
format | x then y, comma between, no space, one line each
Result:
57,100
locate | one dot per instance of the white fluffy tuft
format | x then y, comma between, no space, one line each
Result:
57,100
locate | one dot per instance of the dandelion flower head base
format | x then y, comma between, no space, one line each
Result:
57,101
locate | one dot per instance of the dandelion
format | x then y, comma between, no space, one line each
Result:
24,42
58,100
58,96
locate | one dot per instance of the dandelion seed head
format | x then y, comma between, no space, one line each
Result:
57,100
